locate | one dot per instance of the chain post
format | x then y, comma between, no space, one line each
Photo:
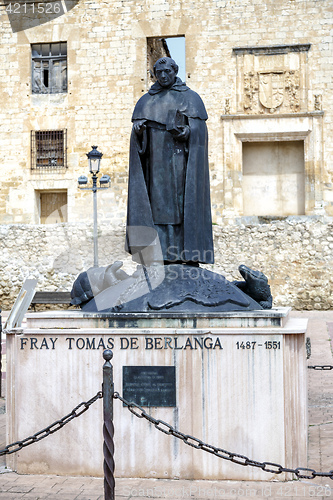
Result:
108,429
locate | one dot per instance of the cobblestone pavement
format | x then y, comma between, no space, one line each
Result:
320,456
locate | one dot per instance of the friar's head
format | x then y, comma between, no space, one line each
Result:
165,70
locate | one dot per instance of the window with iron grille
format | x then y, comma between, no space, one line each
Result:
49,68
48,149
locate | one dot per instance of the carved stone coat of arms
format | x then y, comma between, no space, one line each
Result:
271,89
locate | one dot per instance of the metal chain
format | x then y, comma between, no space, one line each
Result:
300,472
321,367
76,412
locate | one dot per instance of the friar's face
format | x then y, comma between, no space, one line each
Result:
165,74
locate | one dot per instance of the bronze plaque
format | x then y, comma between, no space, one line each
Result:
150,385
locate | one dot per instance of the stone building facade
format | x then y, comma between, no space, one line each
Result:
72,71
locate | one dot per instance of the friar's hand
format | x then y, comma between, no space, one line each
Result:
139,126
183,134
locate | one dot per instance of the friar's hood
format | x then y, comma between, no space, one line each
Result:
155,105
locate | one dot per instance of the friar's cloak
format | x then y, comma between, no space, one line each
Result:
155,107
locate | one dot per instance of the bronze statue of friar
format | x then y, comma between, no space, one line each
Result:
169,214
168,186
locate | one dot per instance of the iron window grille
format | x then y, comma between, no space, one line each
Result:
48,149
49,68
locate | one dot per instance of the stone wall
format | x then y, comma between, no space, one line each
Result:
296,254
107,73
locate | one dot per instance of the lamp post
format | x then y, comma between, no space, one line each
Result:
94,160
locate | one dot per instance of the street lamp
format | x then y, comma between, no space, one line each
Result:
94,160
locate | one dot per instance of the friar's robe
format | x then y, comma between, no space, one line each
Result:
168,187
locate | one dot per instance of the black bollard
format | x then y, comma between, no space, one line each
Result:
108,429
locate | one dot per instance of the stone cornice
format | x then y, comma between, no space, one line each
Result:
276,115
272,49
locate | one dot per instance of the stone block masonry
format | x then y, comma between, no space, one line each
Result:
233,49
107,73
295,253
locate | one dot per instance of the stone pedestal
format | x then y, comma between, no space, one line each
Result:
240,385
